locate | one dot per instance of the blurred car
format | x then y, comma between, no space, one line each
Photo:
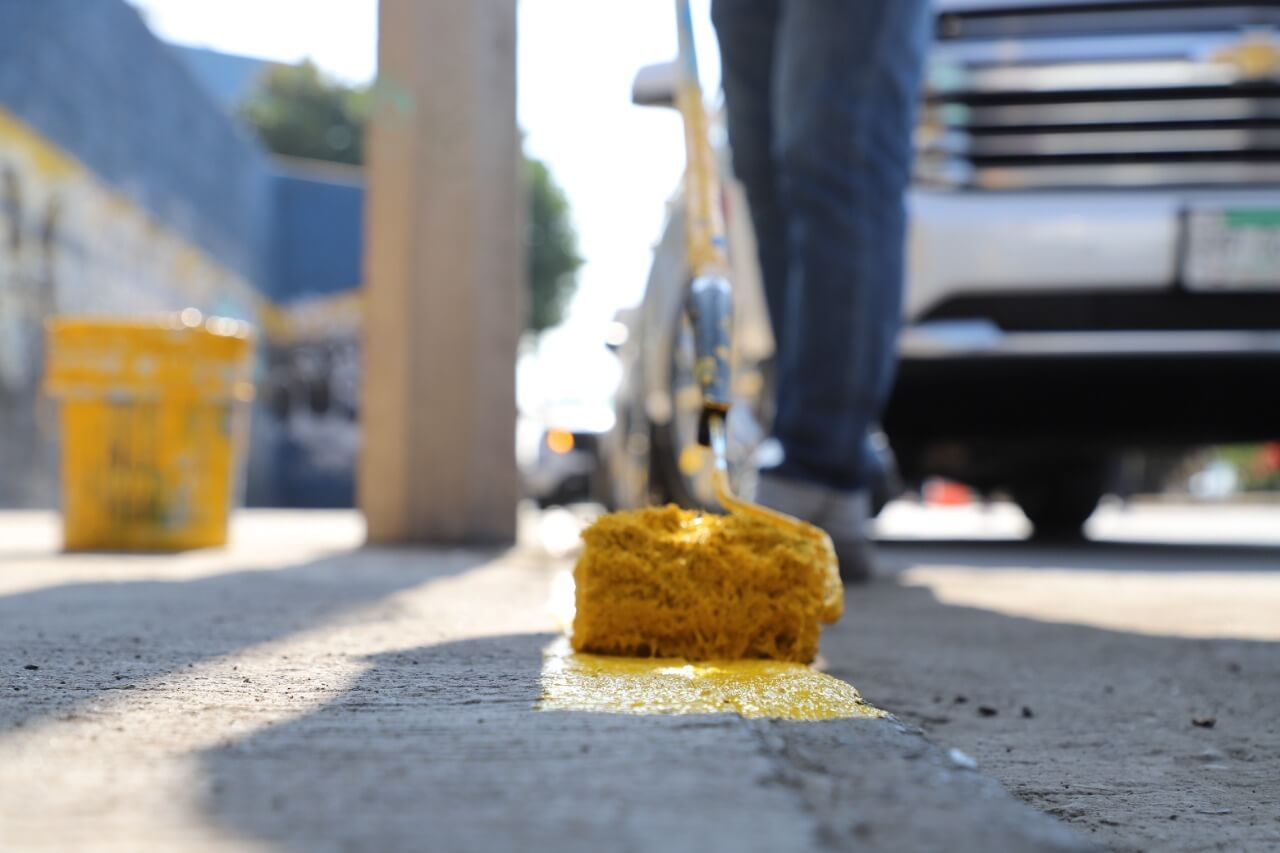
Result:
1094,261
567,468
565,388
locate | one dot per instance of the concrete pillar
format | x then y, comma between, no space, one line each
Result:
444,276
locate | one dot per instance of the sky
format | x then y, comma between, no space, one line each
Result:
617,163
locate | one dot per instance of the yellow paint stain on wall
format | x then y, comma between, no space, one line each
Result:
119,257
149,251
749,688
43,157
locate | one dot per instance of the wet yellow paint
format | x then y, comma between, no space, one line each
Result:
749,688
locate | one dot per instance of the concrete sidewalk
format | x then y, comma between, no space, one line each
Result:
294,693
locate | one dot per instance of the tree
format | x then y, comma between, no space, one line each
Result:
298,112
552,248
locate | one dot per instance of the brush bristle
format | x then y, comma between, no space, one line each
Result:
668,582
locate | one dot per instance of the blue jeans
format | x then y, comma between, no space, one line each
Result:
821,98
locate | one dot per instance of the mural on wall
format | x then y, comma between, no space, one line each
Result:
70,243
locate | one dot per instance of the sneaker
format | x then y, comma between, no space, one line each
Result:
843,515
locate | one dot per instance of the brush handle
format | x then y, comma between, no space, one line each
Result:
704,220
709,300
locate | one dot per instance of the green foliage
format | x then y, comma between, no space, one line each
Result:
552,250
298,112
1257,465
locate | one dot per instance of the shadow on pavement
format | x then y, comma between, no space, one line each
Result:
87,640
438,746
1086,554
422,739
441,747
1137,741
1141,742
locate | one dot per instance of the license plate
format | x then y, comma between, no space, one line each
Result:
1233,249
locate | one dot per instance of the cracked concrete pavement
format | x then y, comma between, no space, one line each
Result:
293,693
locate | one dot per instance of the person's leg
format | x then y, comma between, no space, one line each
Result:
747,31
845,96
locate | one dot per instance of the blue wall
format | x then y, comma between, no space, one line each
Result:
312,386
319,239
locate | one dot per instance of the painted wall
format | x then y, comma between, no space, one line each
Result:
123,189
127,187
318,234
311,386
92,80
310,396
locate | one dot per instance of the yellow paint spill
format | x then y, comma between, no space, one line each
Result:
748,688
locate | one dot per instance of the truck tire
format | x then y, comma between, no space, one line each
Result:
1059,502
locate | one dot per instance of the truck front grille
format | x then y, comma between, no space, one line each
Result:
1104,94
1008,21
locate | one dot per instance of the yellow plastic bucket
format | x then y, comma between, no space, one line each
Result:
153,417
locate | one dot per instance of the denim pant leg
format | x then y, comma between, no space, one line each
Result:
821,99
846,80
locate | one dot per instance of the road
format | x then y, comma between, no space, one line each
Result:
293,693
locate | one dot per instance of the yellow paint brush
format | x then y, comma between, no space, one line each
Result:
676,583
710,297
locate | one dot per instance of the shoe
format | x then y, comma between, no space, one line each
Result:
843,515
